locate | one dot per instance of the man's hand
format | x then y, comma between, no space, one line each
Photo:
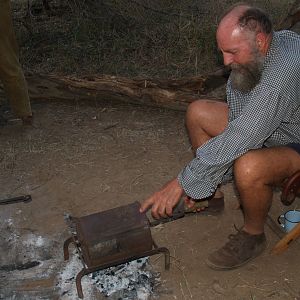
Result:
163,201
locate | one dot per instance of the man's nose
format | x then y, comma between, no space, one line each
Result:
228,59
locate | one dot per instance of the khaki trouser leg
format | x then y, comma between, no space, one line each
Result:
11,73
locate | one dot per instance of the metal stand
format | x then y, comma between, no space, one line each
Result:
87,270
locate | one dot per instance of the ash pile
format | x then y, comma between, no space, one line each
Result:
132,280
135,280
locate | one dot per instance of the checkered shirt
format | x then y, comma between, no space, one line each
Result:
268,115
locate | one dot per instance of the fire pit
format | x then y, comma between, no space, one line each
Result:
110,238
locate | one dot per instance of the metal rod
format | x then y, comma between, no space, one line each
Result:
274,227
66,247
25,199
79,276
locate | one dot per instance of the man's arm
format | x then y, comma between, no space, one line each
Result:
260,117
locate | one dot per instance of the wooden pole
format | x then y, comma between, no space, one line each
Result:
284,243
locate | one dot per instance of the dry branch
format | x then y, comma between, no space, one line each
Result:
292,18
174,94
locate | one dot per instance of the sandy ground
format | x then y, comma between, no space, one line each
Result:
83,158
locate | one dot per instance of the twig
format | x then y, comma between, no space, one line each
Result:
181,289
183,275
187,284
252,287
133,182
110,126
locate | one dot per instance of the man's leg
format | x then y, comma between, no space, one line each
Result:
205,119
11,72
256,173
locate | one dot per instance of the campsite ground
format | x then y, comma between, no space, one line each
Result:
85,157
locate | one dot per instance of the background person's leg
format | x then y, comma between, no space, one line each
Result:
11,73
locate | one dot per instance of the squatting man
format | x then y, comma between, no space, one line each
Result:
254,137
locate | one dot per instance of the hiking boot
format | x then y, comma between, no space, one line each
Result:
241,248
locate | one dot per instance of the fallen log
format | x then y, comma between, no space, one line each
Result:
174,94
292,18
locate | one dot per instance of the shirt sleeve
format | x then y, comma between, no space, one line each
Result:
259,118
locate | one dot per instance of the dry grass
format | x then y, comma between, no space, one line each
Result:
125,37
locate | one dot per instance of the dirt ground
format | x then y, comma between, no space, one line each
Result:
86,157
81,158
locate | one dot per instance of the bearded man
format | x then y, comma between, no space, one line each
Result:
255,136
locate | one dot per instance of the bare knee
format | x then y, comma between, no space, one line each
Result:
196,111
249,170
211,116
266,166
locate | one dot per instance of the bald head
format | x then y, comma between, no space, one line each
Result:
244,36
244,27
246,20
230,20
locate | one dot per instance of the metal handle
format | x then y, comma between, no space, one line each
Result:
280,219
25,199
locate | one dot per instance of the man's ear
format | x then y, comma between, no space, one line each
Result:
263,42
260,41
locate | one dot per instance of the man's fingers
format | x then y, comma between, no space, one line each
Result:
169,208
163,201
158,209
189,202
147,204
159,213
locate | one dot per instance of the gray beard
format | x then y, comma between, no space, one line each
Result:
245,77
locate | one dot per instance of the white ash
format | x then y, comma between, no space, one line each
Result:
66,280
9,222
21,248
32,240
132,280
